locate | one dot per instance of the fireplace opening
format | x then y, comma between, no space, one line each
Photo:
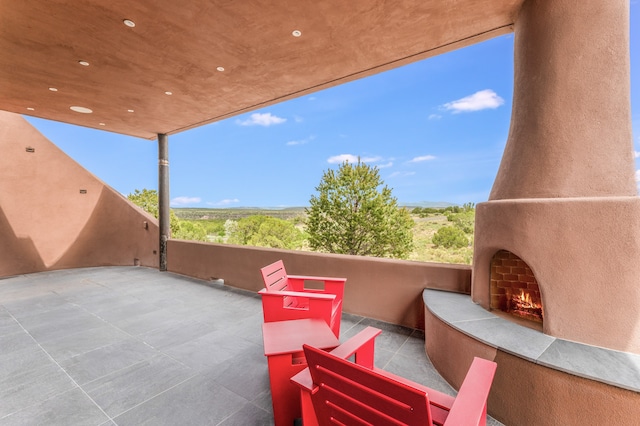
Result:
515,291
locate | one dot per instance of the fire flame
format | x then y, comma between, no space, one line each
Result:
526,301
526,306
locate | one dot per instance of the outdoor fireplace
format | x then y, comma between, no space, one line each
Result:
513,288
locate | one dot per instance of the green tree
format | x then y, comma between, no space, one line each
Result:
469,207
265,231
147,199
354,213
244,229
191,230
464,220
450,237
277,233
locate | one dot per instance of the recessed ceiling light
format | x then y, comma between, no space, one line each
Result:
296,33
80,109
53,89
30,109
102,124
84,63
168,93
129,110
220,69
129,23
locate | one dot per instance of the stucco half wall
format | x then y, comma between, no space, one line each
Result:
384,289
526,393
54,214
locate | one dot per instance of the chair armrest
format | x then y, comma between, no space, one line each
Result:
470,405
362,345
312,278
331,284
303,380
285,293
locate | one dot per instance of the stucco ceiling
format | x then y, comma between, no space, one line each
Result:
178,47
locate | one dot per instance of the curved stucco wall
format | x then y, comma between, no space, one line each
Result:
565,198
526,393
46,222
570,133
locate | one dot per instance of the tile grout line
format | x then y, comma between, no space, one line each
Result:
156,395
132,336
61,368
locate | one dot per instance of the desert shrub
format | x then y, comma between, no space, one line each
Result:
450,237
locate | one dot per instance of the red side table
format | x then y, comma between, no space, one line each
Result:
283,342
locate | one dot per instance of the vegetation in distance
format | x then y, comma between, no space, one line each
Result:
354,212
427,222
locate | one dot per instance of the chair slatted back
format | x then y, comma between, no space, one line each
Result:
275,279
275,276
349,394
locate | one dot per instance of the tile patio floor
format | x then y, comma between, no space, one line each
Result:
133,346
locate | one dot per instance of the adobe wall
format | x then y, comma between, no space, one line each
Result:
565,198
46,222
526,393
388,290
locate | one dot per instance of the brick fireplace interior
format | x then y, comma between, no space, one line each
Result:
514,290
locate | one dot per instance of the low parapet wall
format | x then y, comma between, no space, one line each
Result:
384,289
540,380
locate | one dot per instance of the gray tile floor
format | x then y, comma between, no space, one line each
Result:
133,346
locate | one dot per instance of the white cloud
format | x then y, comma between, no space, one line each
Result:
181,201
484,99
435,116
298,119
258,119
301,141
422,158
401,174
637,175
225,202
636,154
384,166
312,98
339,159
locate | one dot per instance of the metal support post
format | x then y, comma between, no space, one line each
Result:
163,198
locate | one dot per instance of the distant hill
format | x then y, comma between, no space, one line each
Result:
235,213
432,204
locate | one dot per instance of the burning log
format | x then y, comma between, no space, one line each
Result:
525,306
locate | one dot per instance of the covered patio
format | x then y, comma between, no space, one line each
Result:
89,338
133,346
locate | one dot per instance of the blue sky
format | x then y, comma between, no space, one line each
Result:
436,129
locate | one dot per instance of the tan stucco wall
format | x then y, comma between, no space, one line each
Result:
584,253
46,223
570,132
565,198
388,290
525,393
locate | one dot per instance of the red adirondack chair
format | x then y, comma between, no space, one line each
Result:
357,393
285,297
